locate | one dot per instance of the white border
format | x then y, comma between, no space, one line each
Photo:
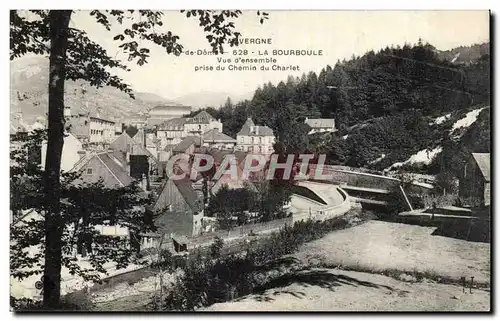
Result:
201,4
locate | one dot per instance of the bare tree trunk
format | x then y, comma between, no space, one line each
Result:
59,22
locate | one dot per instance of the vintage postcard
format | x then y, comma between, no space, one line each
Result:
205,160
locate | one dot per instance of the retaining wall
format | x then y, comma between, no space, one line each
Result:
328,212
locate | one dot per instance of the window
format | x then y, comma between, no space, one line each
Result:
89,171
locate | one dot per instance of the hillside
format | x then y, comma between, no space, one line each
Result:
28,93
465,54
394,106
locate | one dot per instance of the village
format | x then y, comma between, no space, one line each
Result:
352,173
100,149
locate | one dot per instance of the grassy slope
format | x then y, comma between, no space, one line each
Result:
376,247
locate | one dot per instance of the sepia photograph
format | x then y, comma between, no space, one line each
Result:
250,161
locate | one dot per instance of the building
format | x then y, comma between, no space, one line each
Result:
118,128
171,132
125,146
187,145
145,140
91,128
180,210
161,113
215,139
137,120
321,125
474,183
114,172
255,139
109,167
201,123
72,152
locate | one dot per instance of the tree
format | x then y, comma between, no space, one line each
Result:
83,207
131,130
73,55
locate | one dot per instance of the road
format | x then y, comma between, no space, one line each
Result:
327,192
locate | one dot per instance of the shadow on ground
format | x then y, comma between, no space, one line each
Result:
307,277
475,230
469,230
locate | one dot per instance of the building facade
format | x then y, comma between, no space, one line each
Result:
474,183
161,113
218,140
201,123
72,152
174,131
255,139
181,212
91,129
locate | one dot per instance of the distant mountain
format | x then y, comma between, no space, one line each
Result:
205,99
28,94
465,54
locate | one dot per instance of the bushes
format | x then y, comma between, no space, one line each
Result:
206,281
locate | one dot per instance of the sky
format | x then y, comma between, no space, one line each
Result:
338,34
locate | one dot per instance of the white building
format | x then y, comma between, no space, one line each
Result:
255,139
215,139
71,153
321,125
91,128
173,131
161,113
201,123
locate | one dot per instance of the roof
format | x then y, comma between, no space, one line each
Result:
181,239
185,187
245,129
250,129
116,168
214,135
97,116
173,124
122,142
170,107
139,138
169,147
201,118
321,122
186,143
484,164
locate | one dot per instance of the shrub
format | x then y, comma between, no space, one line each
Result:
208,280
216,247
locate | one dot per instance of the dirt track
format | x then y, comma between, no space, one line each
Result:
336,290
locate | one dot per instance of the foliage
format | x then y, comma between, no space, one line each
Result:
206,281
83,207
383,100
74,56
131,130
216,247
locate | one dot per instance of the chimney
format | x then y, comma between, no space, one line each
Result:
307,118
256,130
252,129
